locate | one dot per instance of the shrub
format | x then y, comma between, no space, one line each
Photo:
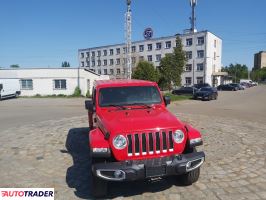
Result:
77,92
88,94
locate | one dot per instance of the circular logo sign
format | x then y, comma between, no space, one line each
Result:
148,33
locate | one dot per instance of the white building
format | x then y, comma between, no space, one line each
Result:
52,81
203,50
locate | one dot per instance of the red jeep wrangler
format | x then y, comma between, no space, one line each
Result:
133,136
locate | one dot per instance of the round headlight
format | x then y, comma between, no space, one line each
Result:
178,136
120,142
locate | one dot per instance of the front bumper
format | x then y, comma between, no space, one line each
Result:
150,168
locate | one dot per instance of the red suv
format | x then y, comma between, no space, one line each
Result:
133,136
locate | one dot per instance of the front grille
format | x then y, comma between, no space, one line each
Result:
150,143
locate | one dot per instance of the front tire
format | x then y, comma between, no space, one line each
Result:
99,187
190,177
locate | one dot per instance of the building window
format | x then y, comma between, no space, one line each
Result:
93,63
99,53
189,55
104,52
141,58
111,52
200,40
124,60
82,64
93,54
111,71
200,67
158,57
118,51
200,53
105,71
150,58
214,56
118,61
26,84
199,80
158,45
88,63
188,81
124,50
215,43
133,60
149,47
117,71
60,84
99,63
188,68
141,48
104,62
168,44
111,61
133,49
99,71
82,55
189,42
88,54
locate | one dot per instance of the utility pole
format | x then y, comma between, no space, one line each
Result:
193,4
128,39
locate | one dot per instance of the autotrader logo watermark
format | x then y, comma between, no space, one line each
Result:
27,193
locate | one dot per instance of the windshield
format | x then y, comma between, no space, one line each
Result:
1,86
205,89
129,96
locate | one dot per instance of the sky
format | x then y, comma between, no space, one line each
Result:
44,33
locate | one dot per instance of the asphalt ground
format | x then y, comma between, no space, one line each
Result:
249,104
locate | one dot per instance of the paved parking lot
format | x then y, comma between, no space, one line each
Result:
44,144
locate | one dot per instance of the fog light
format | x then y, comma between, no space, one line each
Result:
188,165
118,174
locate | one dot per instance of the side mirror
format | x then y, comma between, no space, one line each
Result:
89,106
167,100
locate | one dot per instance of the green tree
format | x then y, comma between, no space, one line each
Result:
258,74
145,71
65,64
14,66
172,66
237,71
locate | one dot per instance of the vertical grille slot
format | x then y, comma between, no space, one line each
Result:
164,142
137,144
151,149
129,145
171,143
144,143
157,134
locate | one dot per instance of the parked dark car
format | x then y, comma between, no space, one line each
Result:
201,85
227,87
184,91
206,93
239,86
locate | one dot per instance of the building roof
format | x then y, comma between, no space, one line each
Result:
152,39
123,82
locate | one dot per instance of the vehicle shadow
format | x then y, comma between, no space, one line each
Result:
78,175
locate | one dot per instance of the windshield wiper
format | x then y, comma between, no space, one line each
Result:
117,106
140,104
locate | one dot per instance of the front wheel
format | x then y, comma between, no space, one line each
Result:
98,187
190,177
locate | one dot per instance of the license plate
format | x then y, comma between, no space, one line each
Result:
155,171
